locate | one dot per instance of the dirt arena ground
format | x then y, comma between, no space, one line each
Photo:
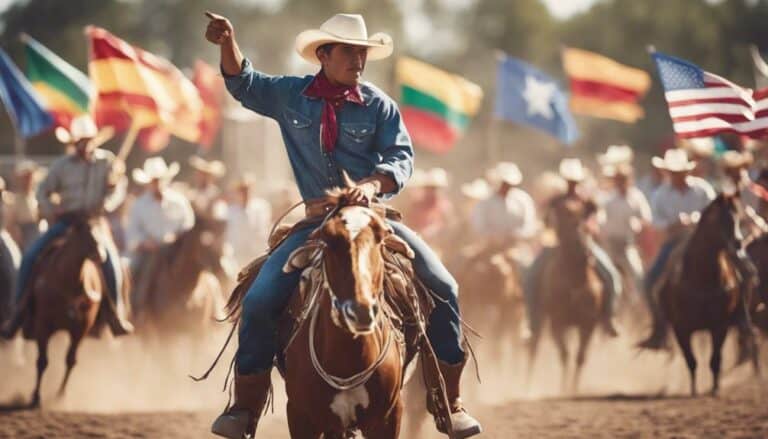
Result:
133,389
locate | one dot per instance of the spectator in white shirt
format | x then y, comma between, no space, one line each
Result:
248,221
682,197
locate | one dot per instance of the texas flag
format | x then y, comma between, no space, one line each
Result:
526,95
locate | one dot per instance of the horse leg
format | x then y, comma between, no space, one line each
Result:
559,337
585,336
42,364
718,337
533,348
684,340
390,427
75,337
299,426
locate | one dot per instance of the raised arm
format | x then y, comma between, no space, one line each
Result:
221,32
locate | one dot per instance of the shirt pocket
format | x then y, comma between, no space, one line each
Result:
299,125
357,135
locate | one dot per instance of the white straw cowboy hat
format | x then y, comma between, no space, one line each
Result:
345,29
506,172
616,154
572,170
83,127
735,159
435,177
212,167
155,168
675,160
700,147
477,189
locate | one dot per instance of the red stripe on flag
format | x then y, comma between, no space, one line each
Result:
121,98
735,101
429,131
104,45
602,91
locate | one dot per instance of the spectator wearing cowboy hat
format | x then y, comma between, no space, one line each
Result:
87,182
574,173
681,197
331,122
247,215
157,217
205,190
25,217
431,210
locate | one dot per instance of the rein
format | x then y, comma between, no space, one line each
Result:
341,383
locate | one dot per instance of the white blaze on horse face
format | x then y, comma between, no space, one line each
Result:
344,404
355,219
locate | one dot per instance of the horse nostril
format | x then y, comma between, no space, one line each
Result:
349,312
375,309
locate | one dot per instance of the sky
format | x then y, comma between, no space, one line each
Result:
565,8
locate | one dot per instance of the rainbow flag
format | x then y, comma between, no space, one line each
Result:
437,106
135,86
64,90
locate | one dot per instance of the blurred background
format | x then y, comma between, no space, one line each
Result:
460,36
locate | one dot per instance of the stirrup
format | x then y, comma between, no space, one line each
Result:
233,424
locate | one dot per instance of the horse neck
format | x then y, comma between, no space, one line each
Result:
702,252
183,255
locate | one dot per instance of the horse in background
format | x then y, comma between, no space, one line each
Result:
703,289
67,293
570,292
183,294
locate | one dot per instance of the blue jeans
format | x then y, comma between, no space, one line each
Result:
654,273
113,275
607,271
271,291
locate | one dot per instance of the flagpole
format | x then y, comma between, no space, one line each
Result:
129,140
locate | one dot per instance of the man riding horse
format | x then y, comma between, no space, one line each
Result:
157,217
331,123
680,198
573,172
87,183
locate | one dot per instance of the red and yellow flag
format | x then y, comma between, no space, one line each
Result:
602,87
135,86
210,85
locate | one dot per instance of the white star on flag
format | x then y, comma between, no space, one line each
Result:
538,95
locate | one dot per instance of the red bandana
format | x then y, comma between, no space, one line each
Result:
333,97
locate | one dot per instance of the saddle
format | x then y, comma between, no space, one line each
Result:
407,303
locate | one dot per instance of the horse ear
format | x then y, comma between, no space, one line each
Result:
348,182
381,230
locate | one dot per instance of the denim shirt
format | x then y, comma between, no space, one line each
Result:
372,137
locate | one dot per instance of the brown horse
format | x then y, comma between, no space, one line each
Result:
703,289
67,293
493,276
344,364
184,295
570,292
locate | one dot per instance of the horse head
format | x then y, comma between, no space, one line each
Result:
353,266
719,221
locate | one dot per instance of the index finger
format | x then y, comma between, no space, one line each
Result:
213,16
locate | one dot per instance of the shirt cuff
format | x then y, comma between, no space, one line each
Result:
246,68
393,172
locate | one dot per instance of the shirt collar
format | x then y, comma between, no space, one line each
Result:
365,92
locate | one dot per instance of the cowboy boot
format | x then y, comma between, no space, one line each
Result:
607,318
240,420
463,424
118,323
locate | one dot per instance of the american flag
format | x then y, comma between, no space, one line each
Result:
702,104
